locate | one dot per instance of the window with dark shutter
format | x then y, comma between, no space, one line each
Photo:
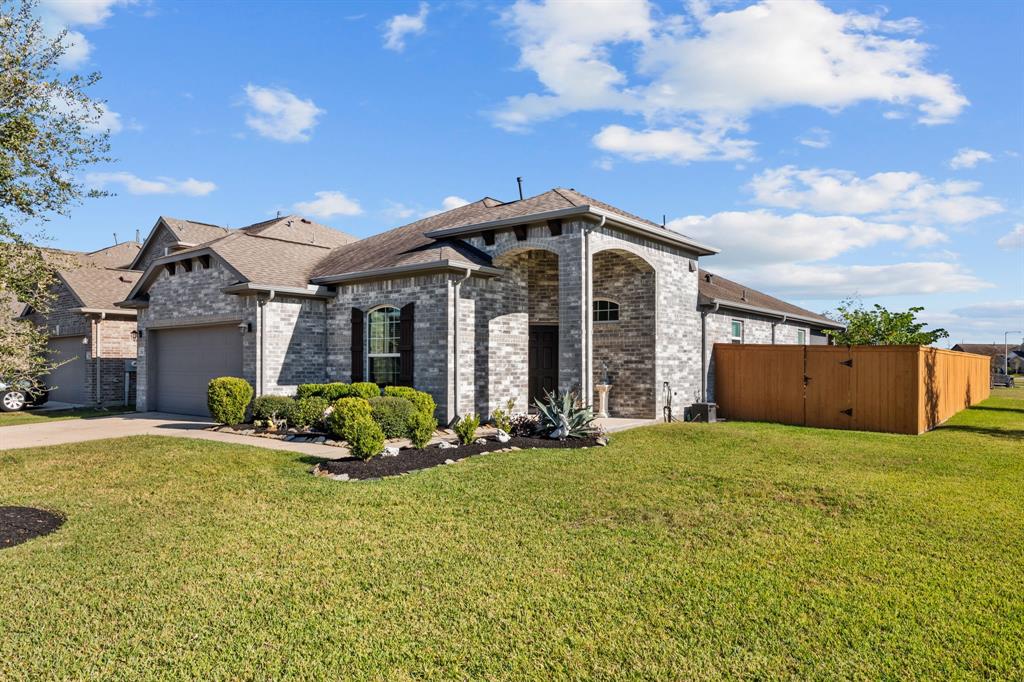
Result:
405,345
357,344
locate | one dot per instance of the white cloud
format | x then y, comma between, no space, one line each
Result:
816,138
96,120
402,25
90,13
968,158
676,145
992,309
280,115
133,184
77,50
893,196
824,282
713,69
1014,239
762,237
447,204
328,205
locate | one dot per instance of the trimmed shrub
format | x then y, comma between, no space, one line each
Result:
274,408
227,398
466,428
422,401
329,392
421,428
365,439
345,412
365,390
309,412
392,414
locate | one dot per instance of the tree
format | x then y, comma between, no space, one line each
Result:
880,327
49,131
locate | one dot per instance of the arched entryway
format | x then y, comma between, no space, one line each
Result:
623,328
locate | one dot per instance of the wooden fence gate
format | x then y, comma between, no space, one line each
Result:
898,389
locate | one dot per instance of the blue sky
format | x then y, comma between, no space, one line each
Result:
829,149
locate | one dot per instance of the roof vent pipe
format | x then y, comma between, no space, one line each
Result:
519,181
115,239
138,235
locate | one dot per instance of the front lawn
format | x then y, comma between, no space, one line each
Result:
39,416
678,552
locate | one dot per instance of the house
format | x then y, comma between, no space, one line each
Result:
995,351
486,302
90,337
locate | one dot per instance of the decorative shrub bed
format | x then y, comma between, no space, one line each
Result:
411,459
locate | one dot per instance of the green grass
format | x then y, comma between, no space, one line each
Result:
39,417
679,552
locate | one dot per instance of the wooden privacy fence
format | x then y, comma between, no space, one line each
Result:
898,389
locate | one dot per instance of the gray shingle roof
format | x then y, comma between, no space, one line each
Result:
714,288
192,231
266,260
100,287
989,349
295,228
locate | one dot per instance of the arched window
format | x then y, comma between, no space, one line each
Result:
383,357
605,310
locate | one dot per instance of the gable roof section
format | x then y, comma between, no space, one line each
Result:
409,246
295,228
563,203
118,256
99,288
184,232
726,293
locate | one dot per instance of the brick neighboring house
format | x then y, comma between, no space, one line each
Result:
995,351
476,305
89,335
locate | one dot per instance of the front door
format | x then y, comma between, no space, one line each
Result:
543,360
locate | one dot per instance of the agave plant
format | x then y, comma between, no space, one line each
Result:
563,415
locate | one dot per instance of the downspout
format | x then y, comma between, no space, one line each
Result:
588,314
782,321
704,352
96,353
260,377
455,343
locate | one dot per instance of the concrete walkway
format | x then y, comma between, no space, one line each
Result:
144,424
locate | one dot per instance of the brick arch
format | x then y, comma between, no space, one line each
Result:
514,249
629,344
630,253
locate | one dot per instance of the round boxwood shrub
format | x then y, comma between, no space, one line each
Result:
274,408
227,398
329,392
422,401
364,390
365,439
392,414
421,428
344,413
309,412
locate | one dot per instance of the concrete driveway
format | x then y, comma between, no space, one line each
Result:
144,424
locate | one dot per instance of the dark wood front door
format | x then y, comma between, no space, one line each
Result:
543,361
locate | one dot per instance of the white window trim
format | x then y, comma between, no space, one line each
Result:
807,335
593,310
743,330
366,338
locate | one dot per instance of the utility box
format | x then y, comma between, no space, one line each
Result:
702,412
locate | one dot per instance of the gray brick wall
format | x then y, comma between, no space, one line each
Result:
155,249
295,343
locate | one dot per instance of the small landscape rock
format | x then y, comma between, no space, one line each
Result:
339,477
390,451
444,445
321,439
449,461
602,441
514,448
502,436
480,441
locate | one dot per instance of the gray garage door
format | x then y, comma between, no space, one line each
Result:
186,359
68,380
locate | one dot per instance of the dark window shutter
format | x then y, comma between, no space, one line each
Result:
357,344
405,344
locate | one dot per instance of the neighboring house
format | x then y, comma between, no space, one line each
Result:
995,351
486,302
90,337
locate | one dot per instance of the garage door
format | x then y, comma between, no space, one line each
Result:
186,359
68,380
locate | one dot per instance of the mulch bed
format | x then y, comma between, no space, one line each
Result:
412,460
20,524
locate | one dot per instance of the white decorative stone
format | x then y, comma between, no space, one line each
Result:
480,441
390,451
444,445
502,436
449,461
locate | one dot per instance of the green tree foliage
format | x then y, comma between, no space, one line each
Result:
49,132
877,326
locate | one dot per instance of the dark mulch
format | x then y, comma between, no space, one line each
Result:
20,524
412,460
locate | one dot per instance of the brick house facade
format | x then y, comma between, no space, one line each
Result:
463,304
